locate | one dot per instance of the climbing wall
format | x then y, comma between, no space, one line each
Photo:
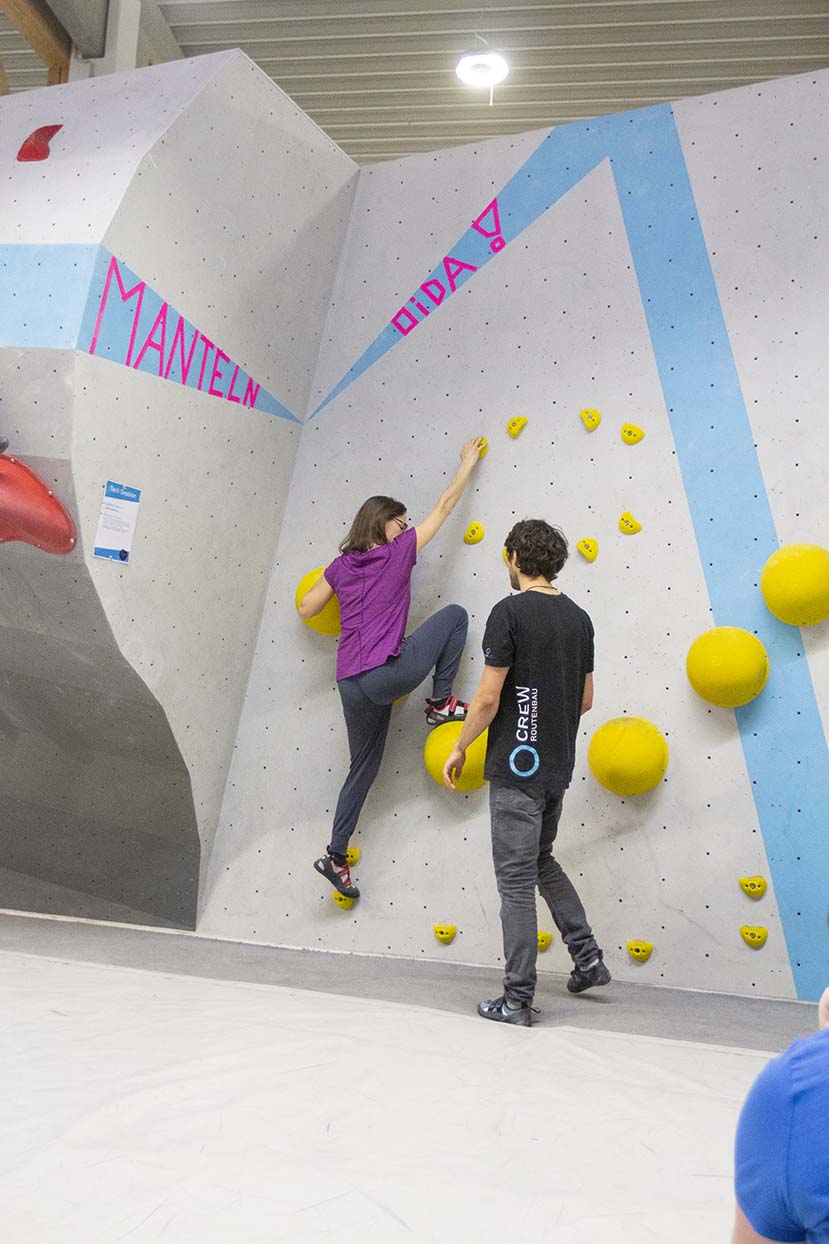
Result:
168,253
574,288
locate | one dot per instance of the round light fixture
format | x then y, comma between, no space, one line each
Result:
482,68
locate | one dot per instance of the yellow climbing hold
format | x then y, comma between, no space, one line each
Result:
474,533
795,584
352,856
591,419
627,755
753,935
632,435
516,426
589,549
628,525
545,940
327,622
640,951
342,901
445,933
439,745
506,555
754,887
727,666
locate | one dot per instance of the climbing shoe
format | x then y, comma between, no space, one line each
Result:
338,874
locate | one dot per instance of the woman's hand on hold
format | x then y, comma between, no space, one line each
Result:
471,451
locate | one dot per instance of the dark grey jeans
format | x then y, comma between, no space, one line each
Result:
524,827
367,700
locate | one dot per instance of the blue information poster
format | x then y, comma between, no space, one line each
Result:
116,523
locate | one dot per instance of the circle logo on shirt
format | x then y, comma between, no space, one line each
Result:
534,761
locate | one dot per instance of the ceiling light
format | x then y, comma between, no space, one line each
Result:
481,68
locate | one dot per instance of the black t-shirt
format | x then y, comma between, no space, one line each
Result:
547,642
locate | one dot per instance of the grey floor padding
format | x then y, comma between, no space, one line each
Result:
718,1019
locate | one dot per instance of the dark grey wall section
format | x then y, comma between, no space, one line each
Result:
96,808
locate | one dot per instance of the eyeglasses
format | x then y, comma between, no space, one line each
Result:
403,526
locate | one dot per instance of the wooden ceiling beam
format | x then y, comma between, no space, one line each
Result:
37,24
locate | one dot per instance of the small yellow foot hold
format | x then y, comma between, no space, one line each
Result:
589,549
545,940
445,932
352,856
591,419
474,533
342,901
754,887
628,525
640,951
632,435
754,935
516,426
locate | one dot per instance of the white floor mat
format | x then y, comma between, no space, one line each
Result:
143,1107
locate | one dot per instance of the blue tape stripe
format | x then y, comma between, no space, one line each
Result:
50,298
781,732
43,292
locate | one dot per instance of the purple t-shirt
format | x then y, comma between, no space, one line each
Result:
373,589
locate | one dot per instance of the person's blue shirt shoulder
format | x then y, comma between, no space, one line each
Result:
781,1166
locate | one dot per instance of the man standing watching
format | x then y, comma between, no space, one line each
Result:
537,682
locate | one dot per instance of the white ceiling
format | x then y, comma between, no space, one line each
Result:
378,75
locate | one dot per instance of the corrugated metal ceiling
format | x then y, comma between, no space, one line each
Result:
378,75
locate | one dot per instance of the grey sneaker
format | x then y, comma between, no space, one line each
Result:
597,975
499,1010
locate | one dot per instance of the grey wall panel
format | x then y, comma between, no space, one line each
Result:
97,806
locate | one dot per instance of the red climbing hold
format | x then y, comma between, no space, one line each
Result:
36,146
30,512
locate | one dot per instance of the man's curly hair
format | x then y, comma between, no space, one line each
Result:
540,549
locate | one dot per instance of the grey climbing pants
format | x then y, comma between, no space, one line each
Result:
367,701
524,828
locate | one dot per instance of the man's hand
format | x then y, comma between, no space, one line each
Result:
471,451
454,768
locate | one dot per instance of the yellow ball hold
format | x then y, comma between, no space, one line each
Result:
628,755
352,856
342,901
474,533
753,935
628,525
328,621
727,666
795,584
754,887
545,940
632,435
516,426
589,549
445,933
591,419
640,951
438,748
